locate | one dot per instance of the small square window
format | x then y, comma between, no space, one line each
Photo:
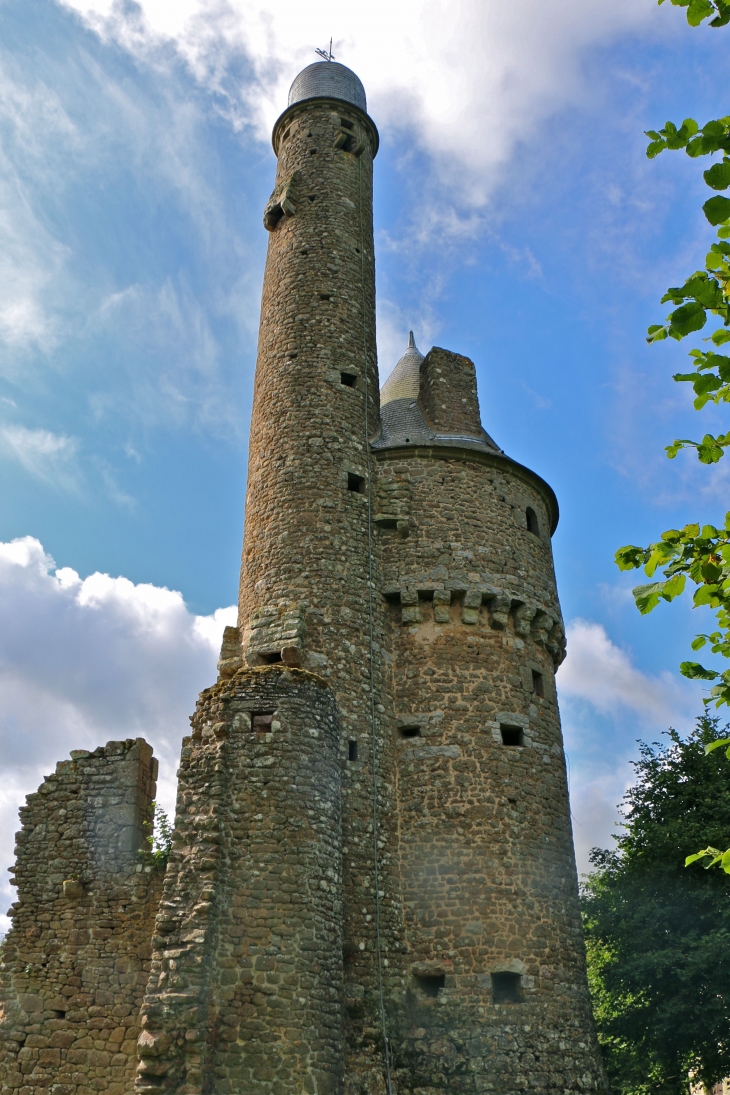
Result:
355,483
410,731
262,720
512,735
506,988
430,984
352,750
348,379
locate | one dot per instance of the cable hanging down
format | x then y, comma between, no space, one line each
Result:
373,734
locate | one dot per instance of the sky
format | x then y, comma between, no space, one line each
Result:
517,221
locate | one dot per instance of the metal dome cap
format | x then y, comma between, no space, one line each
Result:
328,80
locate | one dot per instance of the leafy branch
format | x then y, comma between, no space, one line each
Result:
158,841
699,10
703,556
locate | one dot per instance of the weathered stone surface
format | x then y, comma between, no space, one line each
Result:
372,842
76,961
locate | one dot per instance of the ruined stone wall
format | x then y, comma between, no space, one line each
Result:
487,872
246,986
76,961
448,392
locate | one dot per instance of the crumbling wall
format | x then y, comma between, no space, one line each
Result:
246,984
448,393
76,961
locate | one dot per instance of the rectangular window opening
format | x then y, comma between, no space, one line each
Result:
262,720
346,124
430,983
272,658
538,686
325,296
355,482
512,735
352,750
409,731
348,379
506,988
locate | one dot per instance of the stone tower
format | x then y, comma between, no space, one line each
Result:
372,886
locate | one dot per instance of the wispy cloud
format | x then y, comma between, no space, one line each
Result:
598,671
47,456
432,72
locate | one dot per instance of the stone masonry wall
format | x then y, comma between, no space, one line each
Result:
76,961
246,986
487,872
304,578
448,393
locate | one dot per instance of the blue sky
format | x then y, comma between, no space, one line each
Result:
517,221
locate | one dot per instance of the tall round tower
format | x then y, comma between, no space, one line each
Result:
489,991
372,889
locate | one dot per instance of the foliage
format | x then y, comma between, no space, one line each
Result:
700,552
158,842
657,935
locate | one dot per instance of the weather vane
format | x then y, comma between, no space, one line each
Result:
327,54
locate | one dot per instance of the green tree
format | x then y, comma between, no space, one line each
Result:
700,552
657,935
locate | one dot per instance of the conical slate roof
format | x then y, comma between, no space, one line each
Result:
403,382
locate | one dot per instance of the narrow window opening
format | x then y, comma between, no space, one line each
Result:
512,801
304,252
430,983
310,133
325,296
286,134
261,720
506,988
355,483
346,124
538,686
410,731
311,197
512,735
313,152
348,379
357,249
59,1014
352,750
532,525
271,659
407,440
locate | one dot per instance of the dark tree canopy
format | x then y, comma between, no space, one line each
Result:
657,933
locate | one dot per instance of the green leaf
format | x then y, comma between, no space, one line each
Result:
699,10
674,587
697,672
718,176
721,336
647,597
716,745
629,557
698,642
690,317
717,210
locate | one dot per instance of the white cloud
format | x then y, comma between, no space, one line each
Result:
600,672
47,456
473,79
607,704
84,661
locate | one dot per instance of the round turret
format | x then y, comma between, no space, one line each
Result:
328,80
